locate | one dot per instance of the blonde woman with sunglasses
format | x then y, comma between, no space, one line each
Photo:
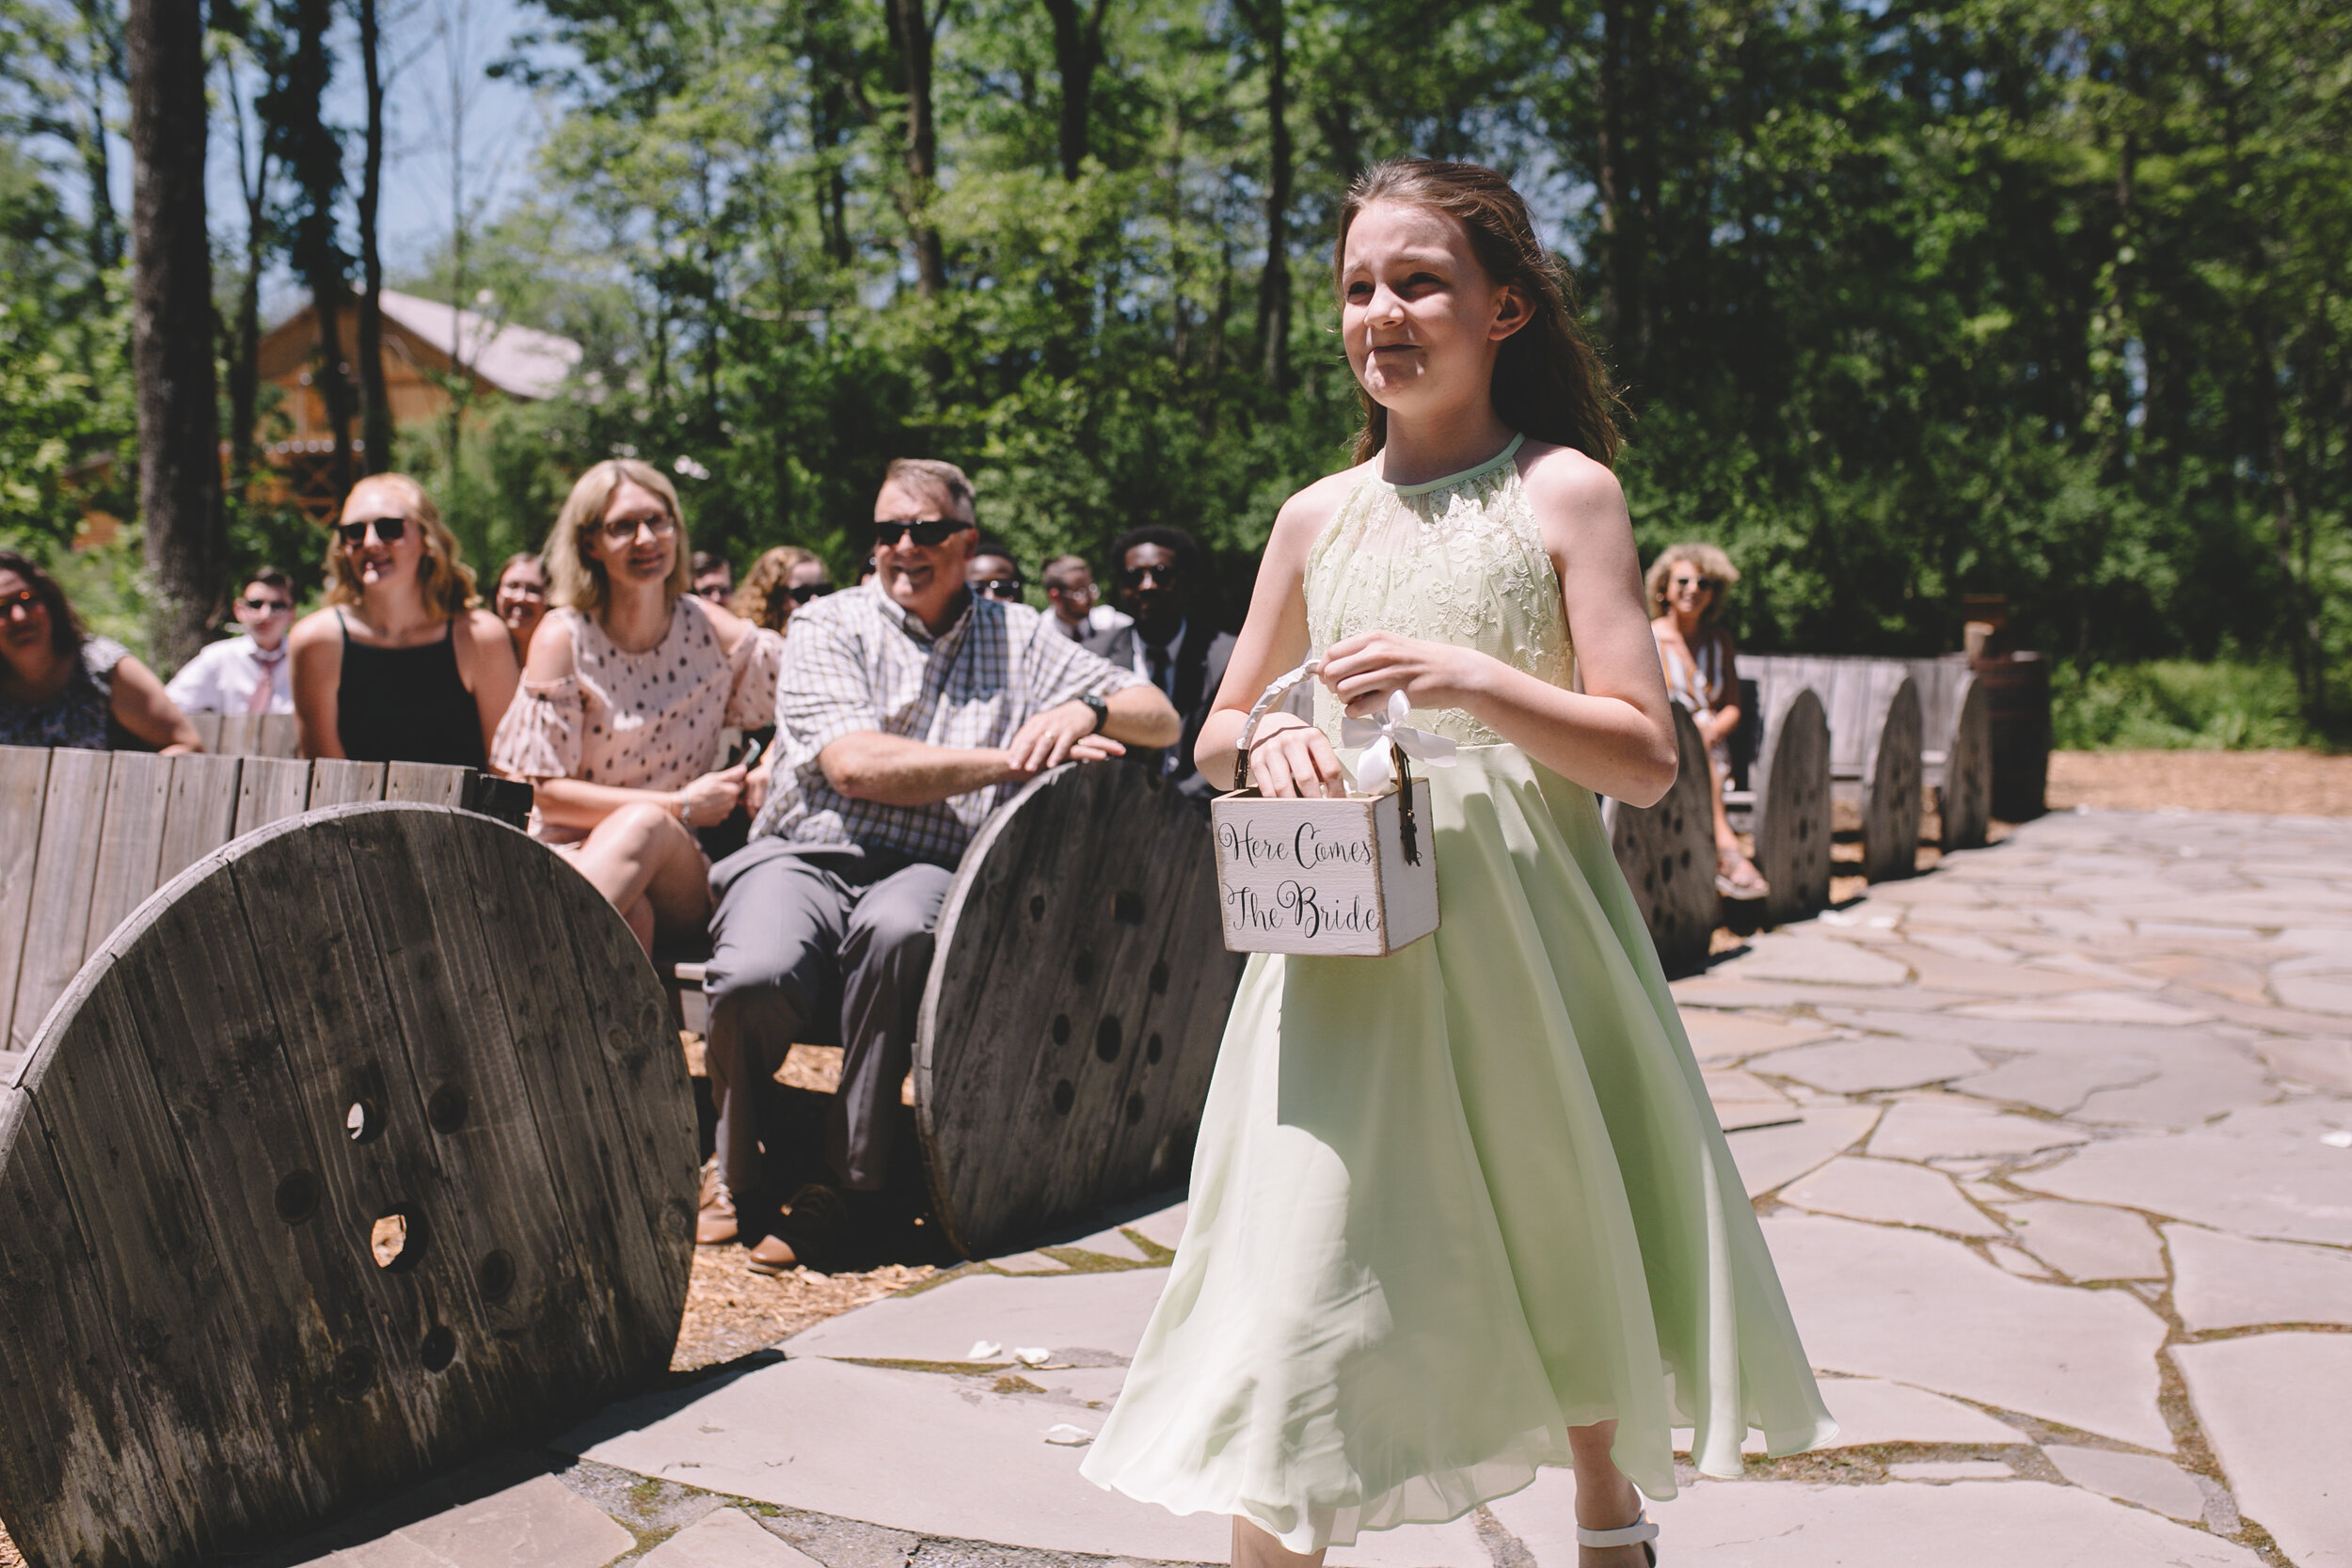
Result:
403,664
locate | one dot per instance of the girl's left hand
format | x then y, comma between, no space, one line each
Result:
1364,668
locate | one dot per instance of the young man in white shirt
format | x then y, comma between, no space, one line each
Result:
248,674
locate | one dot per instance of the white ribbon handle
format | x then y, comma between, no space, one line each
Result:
1374,771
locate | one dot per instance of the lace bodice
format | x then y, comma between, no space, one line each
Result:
1459,559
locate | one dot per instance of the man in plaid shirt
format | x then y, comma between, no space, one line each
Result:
906,711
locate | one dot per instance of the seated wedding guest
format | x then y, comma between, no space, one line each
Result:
630,682
61,686
714,577
1157,573
993,571
779,582
905,713
1686,585
1070,594
402,665
521,599
250,672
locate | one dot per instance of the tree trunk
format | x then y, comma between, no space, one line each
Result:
1077,51
910,31
1274,283
244,378
172,329
1609,177
377,429
315,160
105,64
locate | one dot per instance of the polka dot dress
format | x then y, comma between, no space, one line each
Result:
638,721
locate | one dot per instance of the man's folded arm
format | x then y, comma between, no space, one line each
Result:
894,770
1141,715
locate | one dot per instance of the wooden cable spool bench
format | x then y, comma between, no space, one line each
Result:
1667,853
1956,756
339,1141
1787,807
1875,744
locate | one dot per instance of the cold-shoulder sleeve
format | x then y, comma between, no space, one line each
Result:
539,737
755,660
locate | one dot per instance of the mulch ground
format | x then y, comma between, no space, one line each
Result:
2295,784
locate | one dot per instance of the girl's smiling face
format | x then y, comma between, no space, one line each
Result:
1421,319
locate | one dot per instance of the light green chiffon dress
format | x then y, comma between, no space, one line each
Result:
1449,1203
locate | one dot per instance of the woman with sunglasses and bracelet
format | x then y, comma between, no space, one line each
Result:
1685,587
61,686
402,665
629,681
779,582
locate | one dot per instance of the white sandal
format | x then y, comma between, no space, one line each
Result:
1639,1534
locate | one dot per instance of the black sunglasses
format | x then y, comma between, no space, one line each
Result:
24,598
1133,577
1002,588
388,530
267,606
926,531
808,590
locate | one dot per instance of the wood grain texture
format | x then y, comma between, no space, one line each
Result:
202,815
1791,820
1667,853
208,731
65,873
203,1355
240,734
338,781
1956,759
426,783
1891,770
131,840
1073,1008
269,790
23,788
276,737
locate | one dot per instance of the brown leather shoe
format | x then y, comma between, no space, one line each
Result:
773,1254
814,1224
715,1224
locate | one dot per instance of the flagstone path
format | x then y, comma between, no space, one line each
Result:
2054,1150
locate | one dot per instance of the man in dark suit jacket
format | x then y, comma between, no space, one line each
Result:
1157,575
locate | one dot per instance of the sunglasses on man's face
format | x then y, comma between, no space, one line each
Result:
808,590
388,530
1136,576
926,531
1002,588
24,599
267,607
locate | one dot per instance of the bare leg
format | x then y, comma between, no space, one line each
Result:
640,855
1605,1499
1729,861
1254,1548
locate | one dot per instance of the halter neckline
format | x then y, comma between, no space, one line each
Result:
1491,464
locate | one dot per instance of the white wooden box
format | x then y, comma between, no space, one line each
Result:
1328,876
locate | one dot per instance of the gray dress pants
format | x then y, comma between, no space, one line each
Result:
822,946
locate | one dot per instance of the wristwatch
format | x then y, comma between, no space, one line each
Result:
1101,709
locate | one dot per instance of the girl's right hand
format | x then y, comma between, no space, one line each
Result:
1291,758
708,801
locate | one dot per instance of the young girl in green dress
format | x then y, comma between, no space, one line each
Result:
1463,1210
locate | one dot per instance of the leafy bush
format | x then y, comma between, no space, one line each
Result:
2175,704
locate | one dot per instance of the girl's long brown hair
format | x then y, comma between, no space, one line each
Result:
1549,383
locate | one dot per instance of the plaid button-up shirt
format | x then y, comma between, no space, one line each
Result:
856,662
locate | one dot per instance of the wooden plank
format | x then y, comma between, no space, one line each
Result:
64,876
1890,794
1792,799
1667,853
207,730
240,734
426,783
336,782
24,786
1964,801
269,788
202,815
131,842
81,1481
276,735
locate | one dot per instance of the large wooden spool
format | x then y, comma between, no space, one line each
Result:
1667,853
1875,744
1956,760
1075,1002
1790,814
214,1333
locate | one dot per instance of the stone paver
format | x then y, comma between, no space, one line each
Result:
2060,1113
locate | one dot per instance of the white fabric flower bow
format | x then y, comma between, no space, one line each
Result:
1374,771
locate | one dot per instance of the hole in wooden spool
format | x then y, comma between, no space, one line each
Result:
1107,1040
1036,906
297,1196
494,1276
1159,978
1082,969
1151,1049
1127,909
1065,1096
355,1371
446,1111
439,1349
394,1240
1134,1109
1061,1028
363,1123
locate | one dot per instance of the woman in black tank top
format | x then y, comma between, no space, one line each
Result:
400,666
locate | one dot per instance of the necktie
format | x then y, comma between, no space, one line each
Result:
264,689
1157,658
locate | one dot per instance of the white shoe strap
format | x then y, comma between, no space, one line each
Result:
1632,1535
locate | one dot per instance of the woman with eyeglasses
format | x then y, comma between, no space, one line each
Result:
62,686
780,583
403,664
629,681
1685,587
521,599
